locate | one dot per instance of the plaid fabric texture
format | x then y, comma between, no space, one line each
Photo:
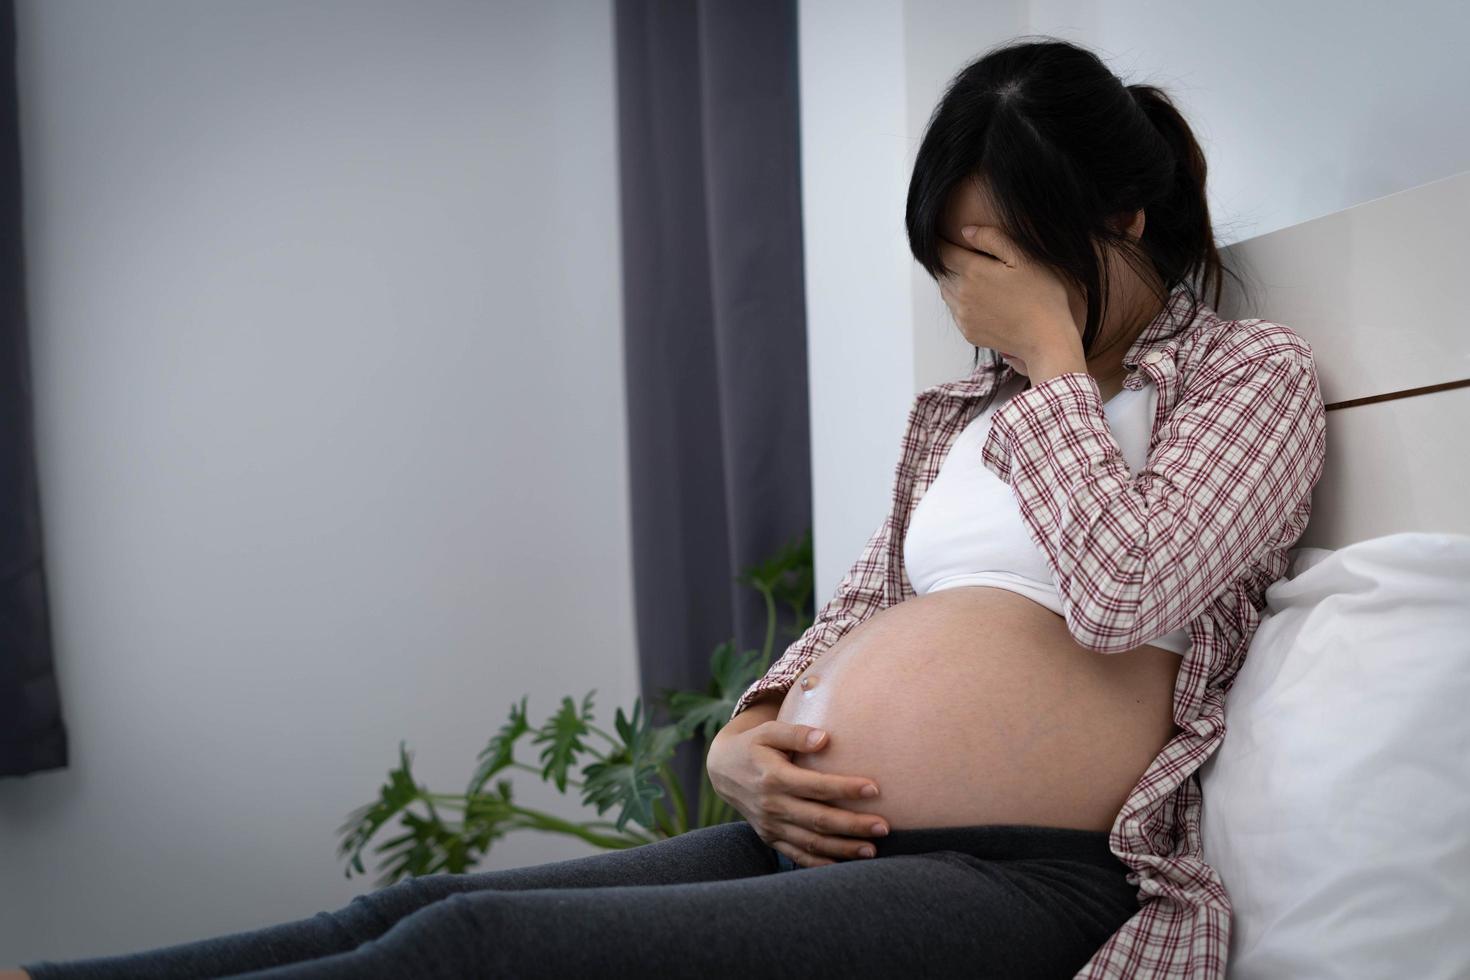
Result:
1194,539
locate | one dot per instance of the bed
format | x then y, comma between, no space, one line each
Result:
1337,808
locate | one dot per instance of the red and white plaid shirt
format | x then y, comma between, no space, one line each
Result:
1194,539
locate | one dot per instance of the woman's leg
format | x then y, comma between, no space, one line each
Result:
923,913
724,851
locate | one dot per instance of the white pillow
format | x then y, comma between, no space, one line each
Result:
1337,808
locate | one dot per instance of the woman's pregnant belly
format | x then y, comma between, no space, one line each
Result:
974,705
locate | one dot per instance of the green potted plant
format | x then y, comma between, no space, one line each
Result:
627,768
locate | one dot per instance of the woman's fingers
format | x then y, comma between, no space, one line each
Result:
828,845
823,819
812,834
808,782
813,785
829,832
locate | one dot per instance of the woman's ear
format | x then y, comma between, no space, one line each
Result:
1134,227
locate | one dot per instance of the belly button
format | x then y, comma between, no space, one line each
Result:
806,683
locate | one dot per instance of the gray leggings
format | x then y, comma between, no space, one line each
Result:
997,900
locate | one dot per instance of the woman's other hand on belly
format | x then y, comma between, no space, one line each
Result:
753,771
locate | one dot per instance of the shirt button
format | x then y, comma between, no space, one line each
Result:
1154,358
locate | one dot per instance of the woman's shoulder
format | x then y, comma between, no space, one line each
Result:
1224,346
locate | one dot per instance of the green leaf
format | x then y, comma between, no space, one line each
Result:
664,696
787,570
394,796
498,754
707,713
629,776
563,731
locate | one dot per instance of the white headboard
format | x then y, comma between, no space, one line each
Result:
1377,290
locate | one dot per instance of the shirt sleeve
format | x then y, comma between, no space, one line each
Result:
1229,479
859,595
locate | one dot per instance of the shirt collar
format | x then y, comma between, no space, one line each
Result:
1163,328
1158,334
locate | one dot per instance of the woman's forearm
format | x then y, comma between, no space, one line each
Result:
758,711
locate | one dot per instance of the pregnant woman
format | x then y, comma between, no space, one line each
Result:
980,759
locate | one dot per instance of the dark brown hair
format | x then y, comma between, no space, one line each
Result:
1063,149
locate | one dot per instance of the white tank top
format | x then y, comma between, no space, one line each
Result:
967,528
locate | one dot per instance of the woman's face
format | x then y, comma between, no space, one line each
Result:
968,205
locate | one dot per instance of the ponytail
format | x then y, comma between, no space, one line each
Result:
1179,223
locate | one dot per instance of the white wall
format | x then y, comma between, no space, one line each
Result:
1302,109
939,39
854,165
325,302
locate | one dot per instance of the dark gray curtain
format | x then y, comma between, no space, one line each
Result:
715,342
32,736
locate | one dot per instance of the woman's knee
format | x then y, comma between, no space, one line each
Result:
371,913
